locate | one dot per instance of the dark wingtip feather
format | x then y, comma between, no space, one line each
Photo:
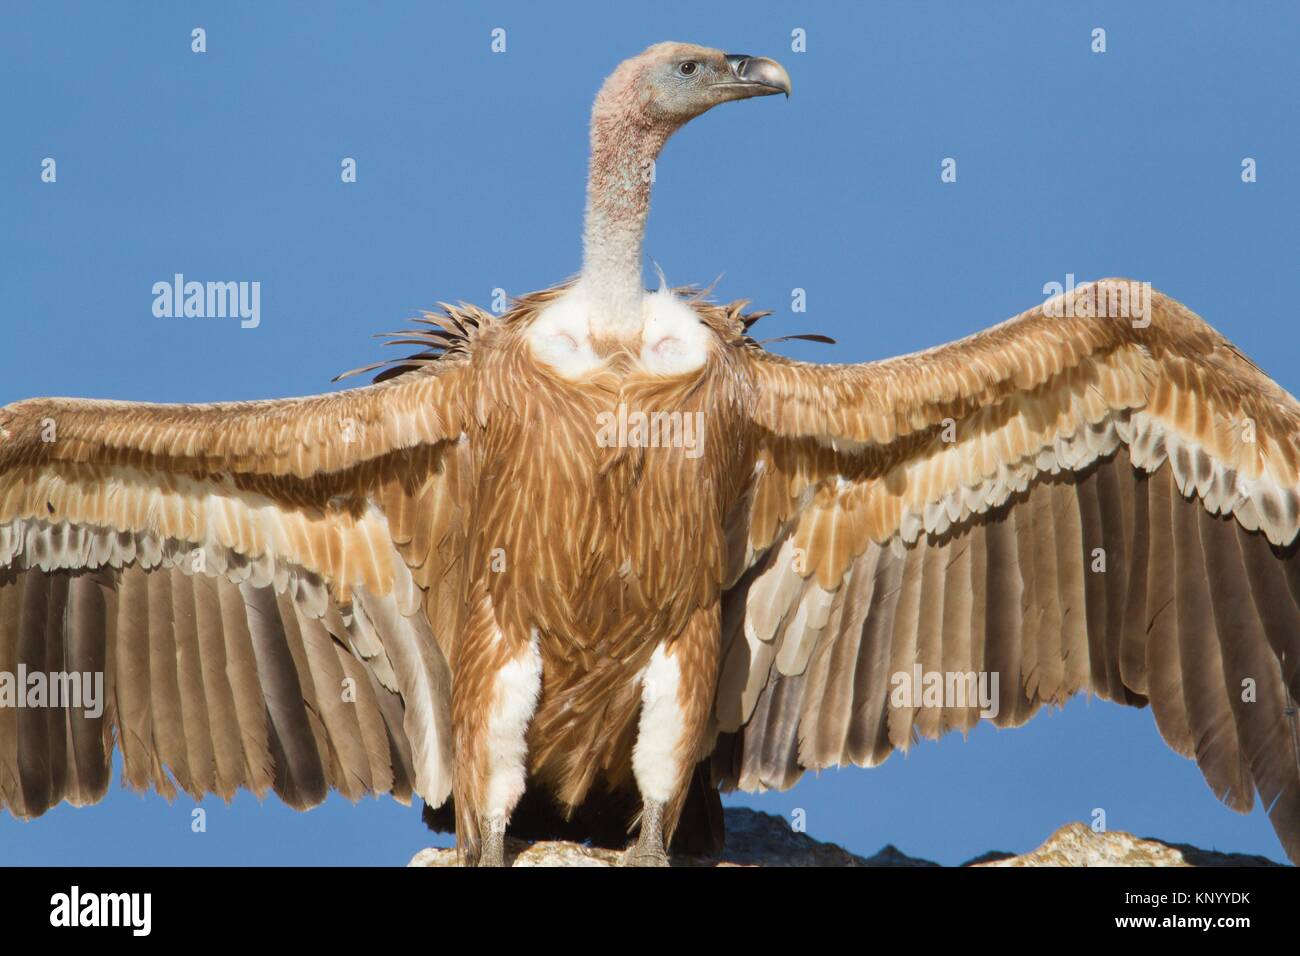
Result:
803,337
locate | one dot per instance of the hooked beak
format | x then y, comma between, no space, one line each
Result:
757,75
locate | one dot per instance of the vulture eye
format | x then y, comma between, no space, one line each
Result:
687,68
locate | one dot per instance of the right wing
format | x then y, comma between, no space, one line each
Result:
1078,504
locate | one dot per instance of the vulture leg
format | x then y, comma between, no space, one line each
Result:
648,850
494,695
676,694
493,838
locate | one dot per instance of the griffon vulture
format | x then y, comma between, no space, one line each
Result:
607,550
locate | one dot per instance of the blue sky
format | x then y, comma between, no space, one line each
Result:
225,166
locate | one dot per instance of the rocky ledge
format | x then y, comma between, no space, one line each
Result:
762,839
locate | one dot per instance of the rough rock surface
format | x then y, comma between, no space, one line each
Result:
762,839
1075,844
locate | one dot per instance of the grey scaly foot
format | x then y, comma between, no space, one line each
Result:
649,847
493,852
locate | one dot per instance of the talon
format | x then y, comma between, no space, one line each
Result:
636,856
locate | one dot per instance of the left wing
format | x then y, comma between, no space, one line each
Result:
1083,503
250,582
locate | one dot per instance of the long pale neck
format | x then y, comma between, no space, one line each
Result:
623,151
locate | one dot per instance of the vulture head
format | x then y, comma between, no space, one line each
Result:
642,103
672,83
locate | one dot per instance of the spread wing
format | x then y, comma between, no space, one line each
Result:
1072,500
250,579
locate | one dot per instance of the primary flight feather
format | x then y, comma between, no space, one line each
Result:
581,564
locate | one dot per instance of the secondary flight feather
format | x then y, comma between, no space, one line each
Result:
453,583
